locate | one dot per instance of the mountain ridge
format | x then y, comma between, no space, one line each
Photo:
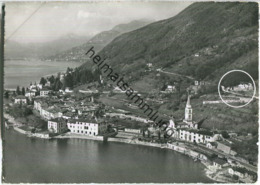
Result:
99,41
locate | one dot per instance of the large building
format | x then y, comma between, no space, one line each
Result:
57,125
90,127
198,136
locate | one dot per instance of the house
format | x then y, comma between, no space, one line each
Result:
67,90
219,163
131,130
242,172
244,87
30,94
32,87
211,145
118,90
225,147
39,86
50,112
57,125
149,64
20,99
37,105
89,127
44,91
170,88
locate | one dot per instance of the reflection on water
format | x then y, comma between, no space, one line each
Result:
34,160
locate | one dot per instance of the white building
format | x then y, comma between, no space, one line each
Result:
188,122
89,127
44,92
50,113
170,88
67,90
198,136
20,99
118,90
37,105
57,125
131,130
149,64
30,94
244,87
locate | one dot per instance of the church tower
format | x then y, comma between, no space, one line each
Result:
188,112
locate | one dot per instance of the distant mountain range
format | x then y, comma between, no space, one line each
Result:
99,41
17,50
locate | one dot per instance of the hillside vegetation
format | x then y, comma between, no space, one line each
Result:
202,42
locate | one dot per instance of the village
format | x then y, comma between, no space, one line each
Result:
67,113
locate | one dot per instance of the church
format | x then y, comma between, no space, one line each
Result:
187,122
188,129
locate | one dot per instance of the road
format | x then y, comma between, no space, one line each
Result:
176,74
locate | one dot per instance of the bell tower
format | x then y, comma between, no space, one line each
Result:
188,112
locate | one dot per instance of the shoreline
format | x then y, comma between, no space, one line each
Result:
118,140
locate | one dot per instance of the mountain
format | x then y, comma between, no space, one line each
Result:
17,50
203,42
98,41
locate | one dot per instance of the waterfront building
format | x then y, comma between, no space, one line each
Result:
219,163
242,172
90,127
225,147
57,125
197,136
20,99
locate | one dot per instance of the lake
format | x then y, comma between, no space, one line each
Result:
22,72
34,160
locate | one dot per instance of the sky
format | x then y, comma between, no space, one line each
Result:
52,20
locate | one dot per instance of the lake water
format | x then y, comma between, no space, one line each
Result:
34,160
22,72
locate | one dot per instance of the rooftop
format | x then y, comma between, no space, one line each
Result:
20,97
219,161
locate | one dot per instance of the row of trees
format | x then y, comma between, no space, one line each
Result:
20,92
71,78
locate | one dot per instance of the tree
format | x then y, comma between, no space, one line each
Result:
23,91
68,80
43,81
18,92
6,94
225,134
51,79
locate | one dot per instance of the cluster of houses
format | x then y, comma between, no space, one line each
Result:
72,115
189,131
240,87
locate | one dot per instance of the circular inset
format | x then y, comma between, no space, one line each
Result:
219,85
